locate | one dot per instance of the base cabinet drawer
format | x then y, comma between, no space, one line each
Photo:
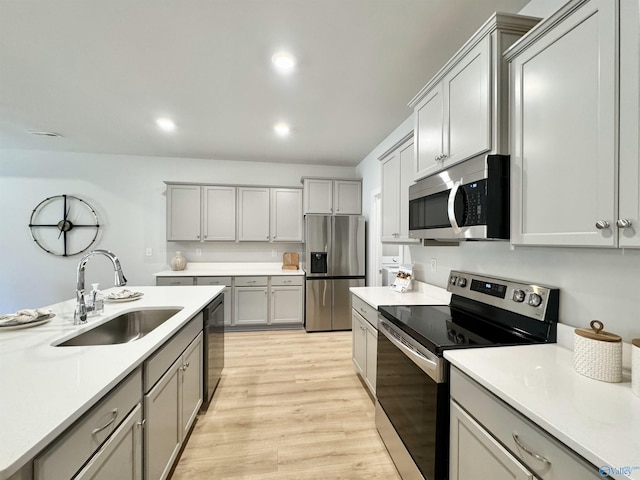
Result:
72,449
121,456
174,281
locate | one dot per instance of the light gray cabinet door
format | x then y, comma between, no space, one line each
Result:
219,213
476,455
163,429
251,306
359,340
563,91
286,215
628,220
429,127
286,305
191,384
121,456
253,214
467,93
347,197
318,196
391,197
183,212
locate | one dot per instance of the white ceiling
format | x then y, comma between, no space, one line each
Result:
99,72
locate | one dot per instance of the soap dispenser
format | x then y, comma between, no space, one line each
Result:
97,299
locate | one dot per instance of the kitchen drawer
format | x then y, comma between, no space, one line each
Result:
223,281
366,310
172,281
160,361
251,281
287,280
503,422
74,447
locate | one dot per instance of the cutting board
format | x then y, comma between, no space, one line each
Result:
290,261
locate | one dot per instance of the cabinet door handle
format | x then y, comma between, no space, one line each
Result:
602,224
114,415
531,453
623,223
142,423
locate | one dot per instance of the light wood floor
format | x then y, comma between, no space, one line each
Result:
289,406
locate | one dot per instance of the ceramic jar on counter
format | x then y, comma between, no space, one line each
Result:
598,354
635,366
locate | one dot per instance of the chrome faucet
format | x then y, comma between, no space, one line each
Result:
80,313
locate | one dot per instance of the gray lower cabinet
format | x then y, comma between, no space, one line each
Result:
227,282
106,432
172,403
121,456
365,341
492,441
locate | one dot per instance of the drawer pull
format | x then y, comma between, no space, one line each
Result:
526,450
114,415
142,423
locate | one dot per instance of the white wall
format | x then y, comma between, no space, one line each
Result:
128,194
599,284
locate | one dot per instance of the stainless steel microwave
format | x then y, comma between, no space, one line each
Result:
469,201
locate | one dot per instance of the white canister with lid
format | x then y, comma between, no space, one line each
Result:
635,366
598,354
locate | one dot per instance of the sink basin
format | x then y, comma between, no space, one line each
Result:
124,328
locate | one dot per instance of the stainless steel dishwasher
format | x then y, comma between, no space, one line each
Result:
213,347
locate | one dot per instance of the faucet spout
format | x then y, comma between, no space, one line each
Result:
80,314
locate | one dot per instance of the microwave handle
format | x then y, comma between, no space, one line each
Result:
450,207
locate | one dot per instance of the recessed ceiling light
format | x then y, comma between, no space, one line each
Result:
166,124
282,129
284,62
43,133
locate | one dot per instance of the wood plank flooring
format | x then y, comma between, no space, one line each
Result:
289,406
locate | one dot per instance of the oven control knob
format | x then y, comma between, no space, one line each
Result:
453,280
462,282
518,296
535,300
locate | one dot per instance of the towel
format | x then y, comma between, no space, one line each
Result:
24,316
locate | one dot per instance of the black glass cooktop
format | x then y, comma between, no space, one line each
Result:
441,327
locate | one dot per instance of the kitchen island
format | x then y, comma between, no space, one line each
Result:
46,388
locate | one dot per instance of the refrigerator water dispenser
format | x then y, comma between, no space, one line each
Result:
319,262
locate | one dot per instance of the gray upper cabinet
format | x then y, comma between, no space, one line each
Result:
286,215
183,212
628,218
253,214
397,175
219,215
564,82
332,196
462,111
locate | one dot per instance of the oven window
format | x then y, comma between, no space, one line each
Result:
429,212
417,407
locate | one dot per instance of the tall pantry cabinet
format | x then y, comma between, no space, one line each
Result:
574,114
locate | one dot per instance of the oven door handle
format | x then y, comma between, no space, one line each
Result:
428,366
451,211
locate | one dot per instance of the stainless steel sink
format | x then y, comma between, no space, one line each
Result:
124,328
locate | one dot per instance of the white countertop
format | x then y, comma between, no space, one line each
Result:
224,269
46,388
422,294
600,421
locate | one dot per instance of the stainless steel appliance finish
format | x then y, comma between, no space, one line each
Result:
213,358
412,384
334,262
469,201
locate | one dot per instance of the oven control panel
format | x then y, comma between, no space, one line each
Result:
532,300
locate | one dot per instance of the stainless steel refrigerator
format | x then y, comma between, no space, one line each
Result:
334,262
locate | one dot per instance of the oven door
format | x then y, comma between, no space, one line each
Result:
412,410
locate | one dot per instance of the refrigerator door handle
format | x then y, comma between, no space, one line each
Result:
324,294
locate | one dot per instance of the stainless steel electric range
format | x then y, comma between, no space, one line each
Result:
412,408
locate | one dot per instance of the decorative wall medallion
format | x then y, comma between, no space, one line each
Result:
64,225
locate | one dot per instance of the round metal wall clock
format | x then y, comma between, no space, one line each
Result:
64,225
